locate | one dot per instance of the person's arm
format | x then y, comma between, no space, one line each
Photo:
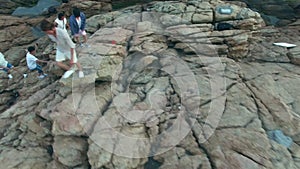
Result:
42,61
70,43
67,26
72,56
53,39
82,16
72,25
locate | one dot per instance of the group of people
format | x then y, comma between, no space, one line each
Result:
65,48
77,25
31,60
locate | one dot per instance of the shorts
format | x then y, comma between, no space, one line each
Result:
62,56
9,66
38,68
80,33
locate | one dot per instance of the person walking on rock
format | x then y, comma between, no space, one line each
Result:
65,48
32,62
77,25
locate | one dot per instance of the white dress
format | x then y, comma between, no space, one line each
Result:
61,23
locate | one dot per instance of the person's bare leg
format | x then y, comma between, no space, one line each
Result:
85,38
80,73
62,65
78,66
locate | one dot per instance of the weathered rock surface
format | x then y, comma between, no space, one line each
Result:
276,12
163,89
7,7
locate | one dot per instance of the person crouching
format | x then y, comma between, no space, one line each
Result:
32,62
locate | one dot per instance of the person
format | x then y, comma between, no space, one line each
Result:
77,25
5,66
61,21
65,48
31,61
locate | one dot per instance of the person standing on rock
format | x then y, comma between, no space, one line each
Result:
77,25
65,48
31,61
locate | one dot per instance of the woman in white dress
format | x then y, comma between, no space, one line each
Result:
61,21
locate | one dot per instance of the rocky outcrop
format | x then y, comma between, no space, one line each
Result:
90,7
164,88
205,18
24,30
7,7
276,12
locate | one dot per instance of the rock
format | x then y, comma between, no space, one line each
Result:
159,91
280,152
238,157
29,157
100,158
274,11
294,55
178,159
16,35
89,7
8,7
38,9
70,151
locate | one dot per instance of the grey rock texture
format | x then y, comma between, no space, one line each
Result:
163,89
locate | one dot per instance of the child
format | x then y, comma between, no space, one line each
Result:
32,62
5,66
